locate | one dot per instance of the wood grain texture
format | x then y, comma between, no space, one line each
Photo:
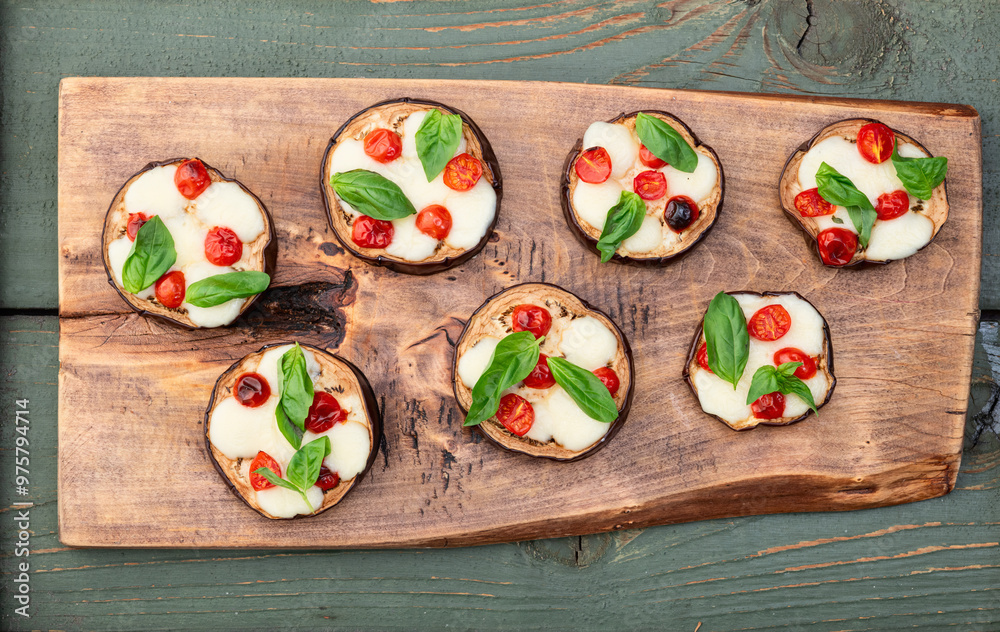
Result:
891,434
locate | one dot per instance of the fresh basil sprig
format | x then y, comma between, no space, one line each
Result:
152,254
372,194
726,337
216,290
585,388
303,468
513,359
437,139
296,390
769,379
838,189
624,220
664,142
920,176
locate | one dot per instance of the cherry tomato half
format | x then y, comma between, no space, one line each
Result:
875,142
540,376
383,145
609,378
327,479
462,172
703,357
791,354
251,390
222,247
516,414
770,406
680,213
810,203
170,289
531,318
837,246
769,323
892,205
368,232
434,221
191,178
263,459
594,165
324,412
135,222
649,159
650,185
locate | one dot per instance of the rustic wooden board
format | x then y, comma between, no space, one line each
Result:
132,391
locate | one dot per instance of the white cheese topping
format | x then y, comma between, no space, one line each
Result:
408,242
239,431
473,362
154,193
558,418
588,343
649,236
696,185
227,204
622,146
593,201
899,237
217,315
285,503
350,446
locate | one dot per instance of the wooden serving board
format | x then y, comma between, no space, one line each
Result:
132,391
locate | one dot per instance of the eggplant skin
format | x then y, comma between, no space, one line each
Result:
398,265
371,411
520,445
566,199
141,306
693,352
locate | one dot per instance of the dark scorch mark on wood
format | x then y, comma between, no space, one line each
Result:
315,307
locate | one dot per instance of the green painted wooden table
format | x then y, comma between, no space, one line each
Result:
932,565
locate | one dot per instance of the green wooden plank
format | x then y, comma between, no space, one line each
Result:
931,51
929,565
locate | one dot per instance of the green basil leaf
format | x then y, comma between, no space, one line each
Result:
769,379
151,256
437,139
838,189
920,176
513,359
372,194
788,368
836,220
793,385
291,432
295,386
303,468
666,143
624,220
586,389
863,220
216,290
765,381
267,473
726,336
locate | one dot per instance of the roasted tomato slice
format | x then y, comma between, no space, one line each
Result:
810,203
649,159
251,390
531,318
892,205
609,378
462,172
170,289
383,145
541,375
223,247
791,354
324,412
769,323
135,222
650,185
703,357
263,459
327,478
369,232
770,406
191,178
837,246
594,165
680,213
516,414
434,221
875,142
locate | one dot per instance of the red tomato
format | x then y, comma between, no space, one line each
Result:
681,212
383,145
875,142
191,178
516,414
462,172
263,459
170,289
703,357
892,205
368,232
837,246
251,390
650,185
791,354
327,479
770,406
434,221
594,165
223,247
324,412
649,159
135,222
541,375
531,318
810,203
769,323
609,378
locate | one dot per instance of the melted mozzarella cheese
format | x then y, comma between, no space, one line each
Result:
239,431
588,343
621,145
473,362
210,316
189,240
118,252
154,193
649,236
558,418
285,503
471,212
408,242
227,204
593,201
350,446
900,237
696,185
